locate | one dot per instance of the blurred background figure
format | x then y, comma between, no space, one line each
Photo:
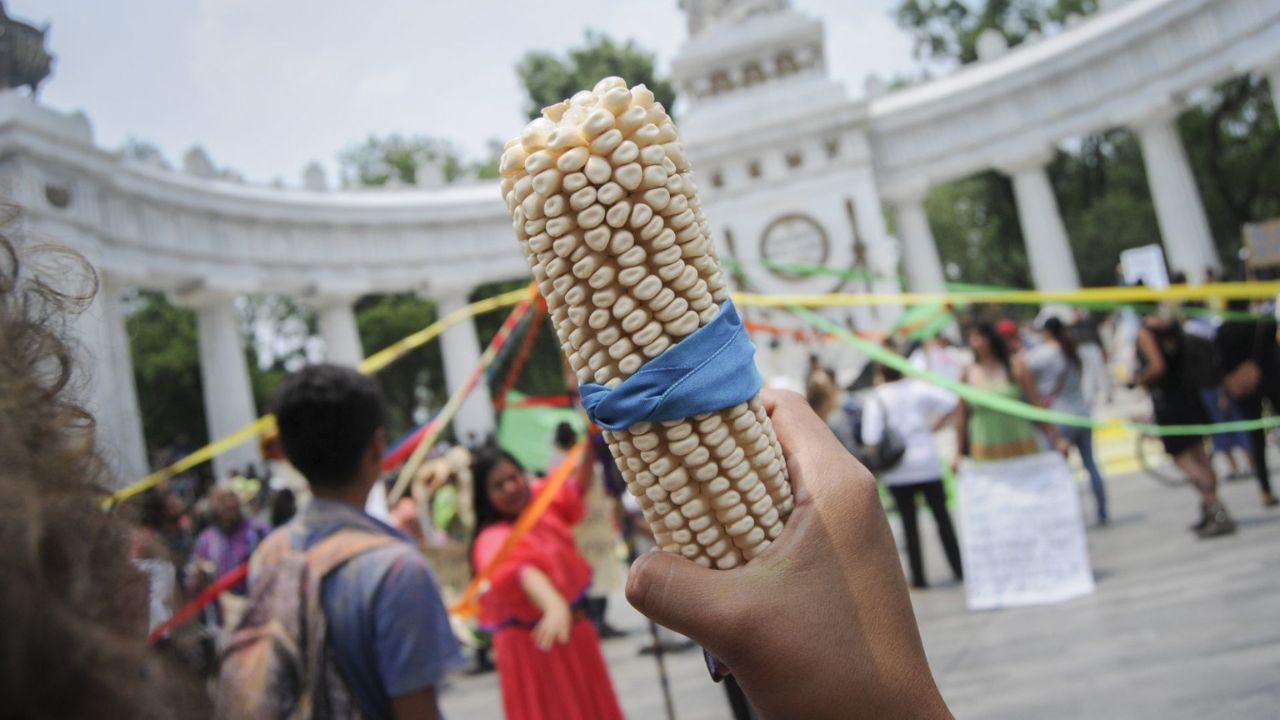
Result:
913,408
1086,331
1058,370
1250,367
1175,398
228,541
986,434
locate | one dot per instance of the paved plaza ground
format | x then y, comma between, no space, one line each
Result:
1178,628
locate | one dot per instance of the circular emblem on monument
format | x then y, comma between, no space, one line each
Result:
794,240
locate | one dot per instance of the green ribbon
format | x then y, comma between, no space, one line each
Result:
1017,408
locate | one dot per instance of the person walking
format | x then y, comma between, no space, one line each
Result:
549,661
1058,369
1176,400
1250,365
912,408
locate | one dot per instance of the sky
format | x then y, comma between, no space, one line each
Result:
267,86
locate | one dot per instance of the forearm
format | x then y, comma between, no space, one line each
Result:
542,593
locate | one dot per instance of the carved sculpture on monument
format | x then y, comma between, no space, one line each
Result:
24,60
705,14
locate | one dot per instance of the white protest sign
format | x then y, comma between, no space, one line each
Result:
1021,533
1145,263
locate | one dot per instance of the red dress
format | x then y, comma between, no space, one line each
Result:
567,682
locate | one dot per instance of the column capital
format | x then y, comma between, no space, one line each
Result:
328,291
327,299
449,294
1159,111
1025,161
912,192
202,293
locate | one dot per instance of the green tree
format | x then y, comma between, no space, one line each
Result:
166,370
948,29
279,337
975,226
1232,138
1230,134
549,78
380,160
414,385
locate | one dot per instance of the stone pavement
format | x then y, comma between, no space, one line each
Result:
1178,628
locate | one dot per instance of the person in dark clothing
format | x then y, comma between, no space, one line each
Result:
1174,396
1239,342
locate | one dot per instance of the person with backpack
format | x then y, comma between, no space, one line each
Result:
344,617
912,409
1058,371
1167,373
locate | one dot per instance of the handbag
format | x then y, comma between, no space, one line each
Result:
887,453
1247,376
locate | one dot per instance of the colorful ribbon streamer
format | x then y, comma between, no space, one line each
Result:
455,401
206,596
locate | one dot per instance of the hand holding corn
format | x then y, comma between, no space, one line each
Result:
605,208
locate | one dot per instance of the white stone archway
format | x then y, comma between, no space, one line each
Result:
789,167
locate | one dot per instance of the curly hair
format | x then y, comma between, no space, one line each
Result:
74,605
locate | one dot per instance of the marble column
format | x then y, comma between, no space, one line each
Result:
224,372
919,251
1184,227
105,374
339,331
461,350
1053,267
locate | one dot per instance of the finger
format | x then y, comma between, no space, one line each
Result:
805,437
793,420
563,635
686,597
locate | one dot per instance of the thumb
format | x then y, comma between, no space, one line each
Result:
679,594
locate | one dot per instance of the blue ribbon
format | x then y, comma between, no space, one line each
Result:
712,369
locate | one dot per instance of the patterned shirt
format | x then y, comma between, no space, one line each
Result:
227,550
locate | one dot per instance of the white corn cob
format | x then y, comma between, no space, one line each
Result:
606,210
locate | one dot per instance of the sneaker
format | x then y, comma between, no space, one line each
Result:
1218,522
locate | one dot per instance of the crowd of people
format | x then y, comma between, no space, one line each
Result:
1196,367
343,611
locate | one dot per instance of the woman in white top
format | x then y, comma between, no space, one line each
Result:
913,408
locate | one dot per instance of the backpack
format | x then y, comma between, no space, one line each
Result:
887,453
277,662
